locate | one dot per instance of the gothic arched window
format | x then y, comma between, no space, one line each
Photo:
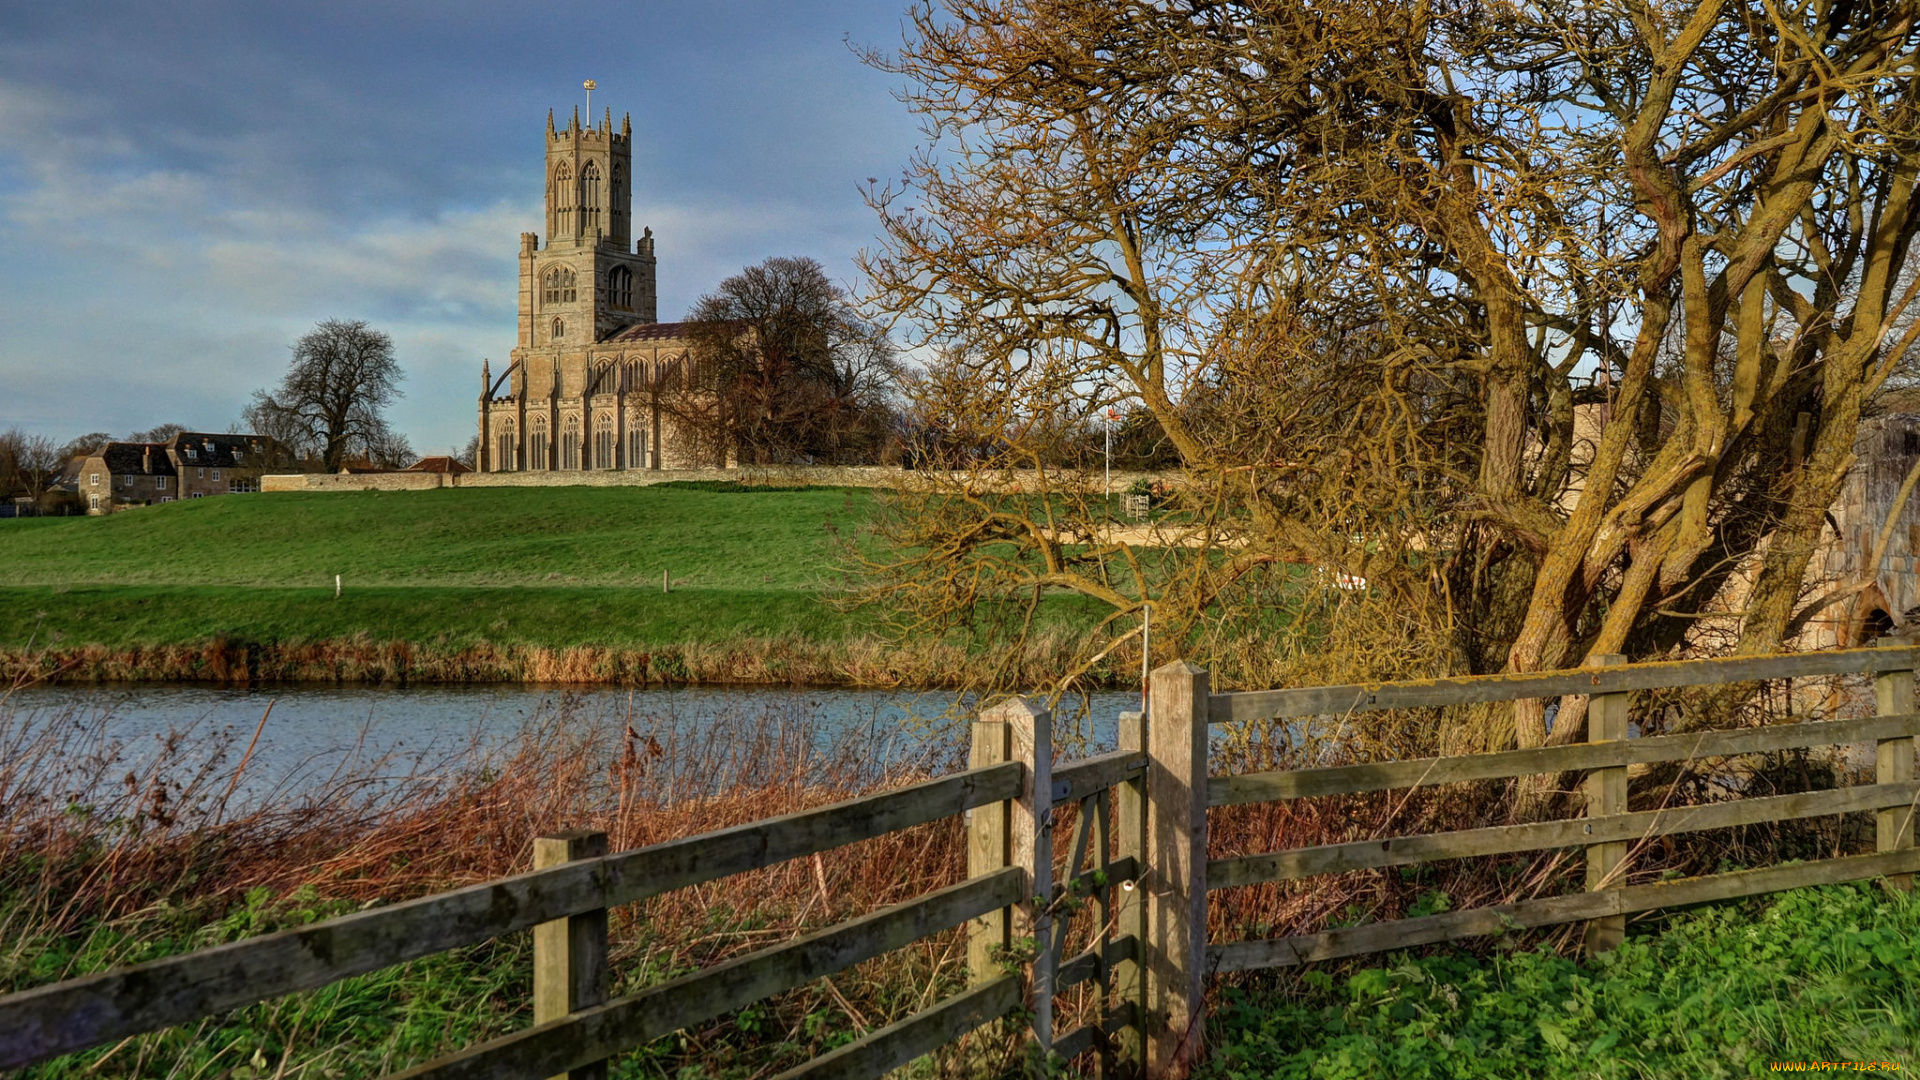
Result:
589,197
563,196
559,329
616,197
570,445
506,452
560,288
537,444
636,443
603,442
620,287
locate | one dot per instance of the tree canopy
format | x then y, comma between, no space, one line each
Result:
786,371
330,404
1552,322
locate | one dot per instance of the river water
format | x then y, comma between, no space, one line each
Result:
313,733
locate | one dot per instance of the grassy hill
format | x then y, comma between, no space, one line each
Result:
501,571
710,537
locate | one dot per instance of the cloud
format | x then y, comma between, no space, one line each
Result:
186,190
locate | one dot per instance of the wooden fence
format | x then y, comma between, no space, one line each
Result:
1139,817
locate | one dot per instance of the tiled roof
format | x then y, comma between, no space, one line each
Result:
201,449
140,459
438,464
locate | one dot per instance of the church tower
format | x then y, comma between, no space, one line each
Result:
583,388
591,280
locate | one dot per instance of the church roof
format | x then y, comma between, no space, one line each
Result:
656,331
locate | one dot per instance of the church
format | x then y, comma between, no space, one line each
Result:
582,389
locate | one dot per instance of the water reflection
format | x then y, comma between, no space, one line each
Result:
312,733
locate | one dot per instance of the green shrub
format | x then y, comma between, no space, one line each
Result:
1826,974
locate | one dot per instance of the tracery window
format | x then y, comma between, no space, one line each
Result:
603,442
537,445
563,195
506,455
589,197
570,445
559,286
636,444
620,287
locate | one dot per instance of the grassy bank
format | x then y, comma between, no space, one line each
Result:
1826,974
536,584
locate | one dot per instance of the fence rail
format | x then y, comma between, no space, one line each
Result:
1035,885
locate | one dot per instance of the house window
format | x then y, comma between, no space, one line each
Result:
240,485
200,473
199,494
216,474
93,479
93,501
160,482
620,287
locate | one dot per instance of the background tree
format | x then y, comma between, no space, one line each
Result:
158,434
1359,261
29,463
783,370
330,403
83,445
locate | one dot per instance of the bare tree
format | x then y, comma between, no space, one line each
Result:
84,445
330,403
783,370
29,463
1360,263
157,434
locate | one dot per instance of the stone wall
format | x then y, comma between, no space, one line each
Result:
871,476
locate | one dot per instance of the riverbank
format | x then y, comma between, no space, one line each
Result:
539,585
781,661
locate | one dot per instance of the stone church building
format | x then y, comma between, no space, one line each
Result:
583,386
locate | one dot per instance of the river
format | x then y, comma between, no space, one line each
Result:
316,732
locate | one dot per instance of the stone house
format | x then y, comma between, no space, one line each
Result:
191,465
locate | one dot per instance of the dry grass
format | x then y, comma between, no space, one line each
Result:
784,661
107,858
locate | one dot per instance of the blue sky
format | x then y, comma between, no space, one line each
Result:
186,188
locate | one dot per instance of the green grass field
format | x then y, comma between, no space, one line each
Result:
553,567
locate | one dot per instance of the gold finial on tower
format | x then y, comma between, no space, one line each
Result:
590,85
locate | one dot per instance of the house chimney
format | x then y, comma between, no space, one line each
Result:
146,459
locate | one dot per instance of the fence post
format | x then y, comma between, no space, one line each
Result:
1129,976
1177,876
570,955
988,832
1893,828
1606,794
1030,840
